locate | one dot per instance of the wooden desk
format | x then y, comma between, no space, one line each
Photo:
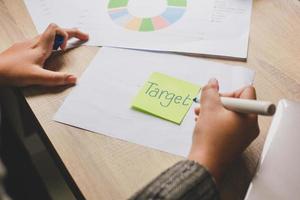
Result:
106,168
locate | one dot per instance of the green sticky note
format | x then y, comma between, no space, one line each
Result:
166,97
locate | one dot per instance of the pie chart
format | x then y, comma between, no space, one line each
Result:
120,14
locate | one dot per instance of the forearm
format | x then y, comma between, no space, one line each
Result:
184,180
6,78
2,78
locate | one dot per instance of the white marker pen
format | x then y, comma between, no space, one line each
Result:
246,106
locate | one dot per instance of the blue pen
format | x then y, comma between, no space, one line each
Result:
59,40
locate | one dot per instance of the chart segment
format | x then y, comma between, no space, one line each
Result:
119,13
147,25
179,3
117,3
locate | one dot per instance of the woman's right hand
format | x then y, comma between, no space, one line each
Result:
221,135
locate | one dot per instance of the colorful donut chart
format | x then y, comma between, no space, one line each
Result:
119,13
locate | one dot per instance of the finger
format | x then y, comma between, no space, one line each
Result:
197,111
47,38
50,78
234,94
248,93
65,35
71,33
74,32
210,95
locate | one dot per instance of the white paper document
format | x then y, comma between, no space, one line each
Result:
212,27
277,177
101,101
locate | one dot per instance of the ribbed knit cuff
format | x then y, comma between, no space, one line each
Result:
184,180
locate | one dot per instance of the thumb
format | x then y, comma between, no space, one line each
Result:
47,38
50,78
210,97
248,93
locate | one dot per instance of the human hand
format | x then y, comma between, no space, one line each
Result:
22,64
221,135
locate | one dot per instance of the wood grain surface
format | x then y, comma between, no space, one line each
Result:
106,168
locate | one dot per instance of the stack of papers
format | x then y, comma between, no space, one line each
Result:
102,101
142,96
212,27
277,177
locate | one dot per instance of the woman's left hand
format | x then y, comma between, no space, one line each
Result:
22,64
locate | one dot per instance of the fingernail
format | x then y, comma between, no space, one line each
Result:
71,79
213,81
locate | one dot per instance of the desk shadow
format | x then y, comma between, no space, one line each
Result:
238,177
56,61
33,91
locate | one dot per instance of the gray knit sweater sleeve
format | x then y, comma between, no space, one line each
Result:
184,180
